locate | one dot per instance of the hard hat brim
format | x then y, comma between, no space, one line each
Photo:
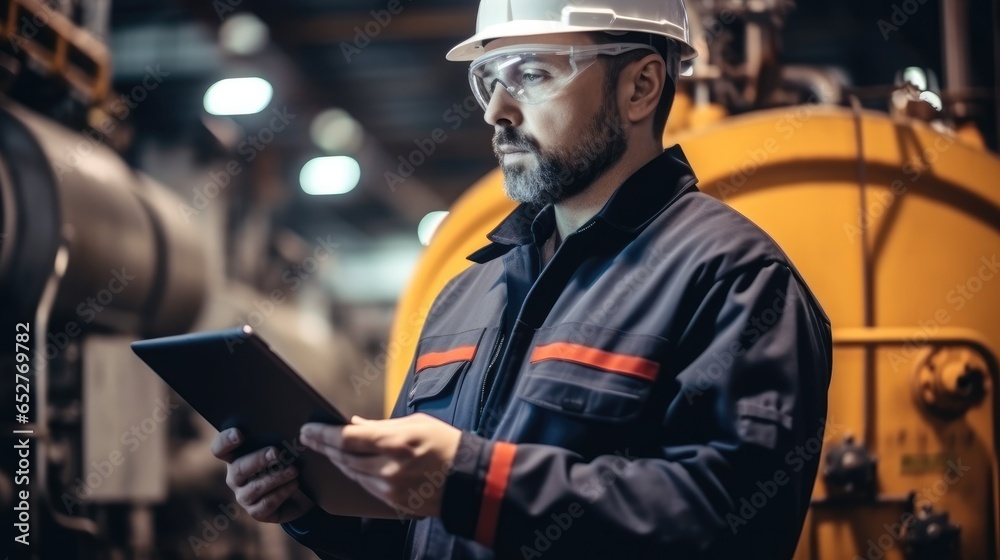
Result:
472,48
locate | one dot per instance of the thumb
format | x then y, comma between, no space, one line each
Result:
359,420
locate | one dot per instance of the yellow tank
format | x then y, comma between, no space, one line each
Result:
896,228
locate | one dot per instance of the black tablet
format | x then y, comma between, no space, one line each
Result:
233,379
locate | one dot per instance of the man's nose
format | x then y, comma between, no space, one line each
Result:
502,110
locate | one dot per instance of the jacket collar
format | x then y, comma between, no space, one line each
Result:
630,208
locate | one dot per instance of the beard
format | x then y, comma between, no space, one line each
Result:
559,175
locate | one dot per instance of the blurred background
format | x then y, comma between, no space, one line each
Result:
170,166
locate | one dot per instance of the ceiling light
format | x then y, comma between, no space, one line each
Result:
429,224
330,175
243,34
238,96
336,132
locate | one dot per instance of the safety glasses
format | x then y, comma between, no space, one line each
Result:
535,73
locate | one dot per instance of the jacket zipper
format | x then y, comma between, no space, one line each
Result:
500,340
489,368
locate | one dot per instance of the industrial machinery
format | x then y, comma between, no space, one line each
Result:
893,218
891,215
94,255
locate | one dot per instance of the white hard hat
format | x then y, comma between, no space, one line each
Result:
518,18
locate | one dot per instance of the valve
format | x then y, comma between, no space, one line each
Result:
949,381
850,471
917,94
931,536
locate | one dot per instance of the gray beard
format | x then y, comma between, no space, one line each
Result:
556,177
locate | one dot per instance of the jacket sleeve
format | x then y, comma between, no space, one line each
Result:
335,537
735,457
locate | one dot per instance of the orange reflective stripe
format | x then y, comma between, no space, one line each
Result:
497,477
610,361
433,359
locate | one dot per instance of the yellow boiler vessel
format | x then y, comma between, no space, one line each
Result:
896,228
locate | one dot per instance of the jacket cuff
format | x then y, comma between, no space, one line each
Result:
317,521
313,519
475,486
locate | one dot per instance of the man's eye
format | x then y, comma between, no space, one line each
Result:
529,78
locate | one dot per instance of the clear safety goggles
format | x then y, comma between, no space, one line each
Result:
535,73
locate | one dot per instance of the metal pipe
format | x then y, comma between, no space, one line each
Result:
701,95
42,433
867,282
754,50
96,18
954,30
996,70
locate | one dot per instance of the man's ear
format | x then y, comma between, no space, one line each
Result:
644,81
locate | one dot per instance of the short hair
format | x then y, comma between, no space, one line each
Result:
665,48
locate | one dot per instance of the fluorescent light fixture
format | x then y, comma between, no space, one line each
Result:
429,224
330,175
238,96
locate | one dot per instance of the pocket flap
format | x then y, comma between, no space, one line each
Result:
441,359
593,372
759,419
431,382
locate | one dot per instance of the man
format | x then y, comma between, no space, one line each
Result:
628,362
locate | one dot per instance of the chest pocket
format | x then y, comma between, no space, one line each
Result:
441,361
591,372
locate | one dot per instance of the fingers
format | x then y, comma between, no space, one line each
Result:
325,434
261,482
242,468
375,465
225,443
260,486
266,508
365,438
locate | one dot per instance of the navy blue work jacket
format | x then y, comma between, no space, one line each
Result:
653,392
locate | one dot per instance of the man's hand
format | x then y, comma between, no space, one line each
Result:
394,459
264,486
